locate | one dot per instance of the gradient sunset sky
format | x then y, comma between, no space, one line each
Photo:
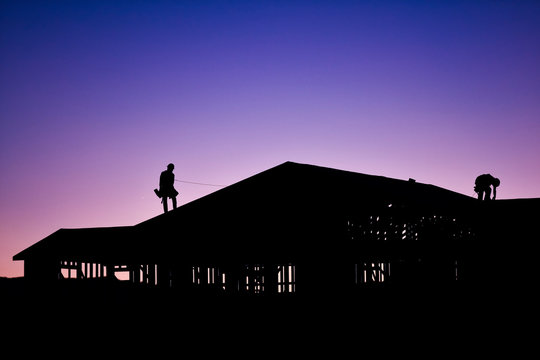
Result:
97,97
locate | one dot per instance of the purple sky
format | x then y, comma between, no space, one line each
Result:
97,97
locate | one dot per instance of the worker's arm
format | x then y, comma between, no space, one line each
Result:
494,192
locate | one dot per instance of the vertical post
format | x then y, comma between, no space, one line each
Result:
144,275
109,271
163,275
78,266
135,271
151,275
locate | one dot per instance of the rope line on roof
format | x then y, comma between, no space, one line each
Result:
198,183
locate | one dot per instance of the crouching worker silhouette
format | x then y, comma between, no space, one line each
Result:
166,187
483,184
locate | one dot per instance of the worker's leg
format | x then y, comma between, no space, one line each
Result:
488,193
174,202
165,206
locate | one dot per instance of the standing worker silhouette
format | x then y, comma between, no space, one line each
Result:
482,186
166,187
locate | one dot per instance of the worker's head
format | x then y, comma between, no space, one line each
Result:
496,182
170,167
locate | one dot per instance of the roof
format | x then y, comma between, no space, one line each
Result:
300,187
88,242
287,204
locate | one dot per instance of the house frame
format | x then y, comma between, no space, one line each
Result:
295,230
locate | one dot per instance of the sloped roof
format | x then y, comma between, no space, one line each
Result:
304,187
286,203
88,242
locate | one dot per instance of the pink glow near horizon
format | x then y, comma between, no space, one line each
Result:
96,98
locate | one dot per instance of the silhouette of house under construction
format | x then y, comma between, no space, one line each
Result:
300,230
